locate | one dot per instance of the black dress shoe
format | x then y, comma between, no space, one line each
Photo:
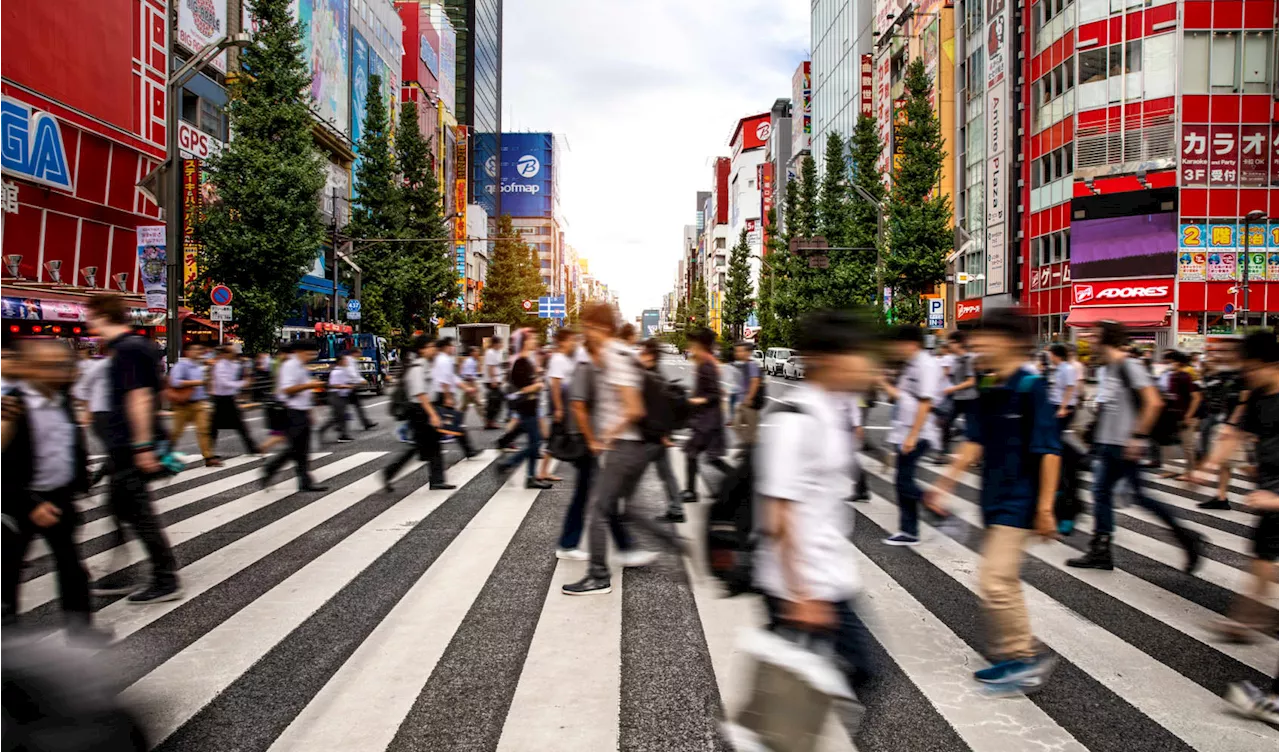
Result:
535,483
671,517
442,486
371,426
313,488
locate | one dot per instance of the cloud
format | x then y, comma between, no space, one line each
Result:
644,95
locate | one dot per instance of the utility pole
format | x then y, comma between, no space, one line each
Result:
1257,215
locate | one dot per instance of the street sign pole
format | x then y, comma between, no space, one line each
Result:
219,334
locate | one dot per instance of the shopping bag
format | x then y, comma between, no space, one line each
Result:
796,682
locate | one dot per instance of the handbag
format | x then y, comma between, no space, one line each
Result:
565,446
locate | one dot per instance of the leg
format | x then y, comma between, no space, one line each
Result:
202,429
300,445
604,508
358,406
14,542
428,440
575,515
178,421
1000,584
632,459
662,462
690,470
532,430
219,417
340,414
73,581
1107,474
237,419
909,491
132,502
851,640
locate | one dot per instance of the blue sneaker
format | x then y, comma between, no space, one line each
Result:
1029,672
902,539
1065,527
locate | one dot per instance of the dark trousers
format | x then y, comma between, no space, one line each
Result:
909,491
849,638
130,501
1112,467
73,582
226,414
620,470
493,401
576,516
452,419
298,431
530,451
959,409
661,461
426,445
353,399
337,415
1067,506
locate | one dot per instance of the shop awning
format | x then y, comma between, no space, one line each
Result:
1138,317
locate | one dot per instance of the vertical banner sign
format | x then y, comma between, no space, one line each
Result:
766,201
1253,154
884,110
899,123
999,118
190,216
151,266
867,78
460,206
1224,154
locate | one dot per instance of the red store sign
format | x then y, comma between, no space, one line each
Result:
1122,292
968,310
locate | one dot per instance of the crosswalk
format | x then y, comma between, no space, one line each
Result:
363,620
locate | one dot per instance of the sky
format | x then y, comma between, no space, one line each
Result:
643,95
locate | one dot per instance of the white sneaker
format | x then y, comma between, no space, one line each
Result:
572,554
637,558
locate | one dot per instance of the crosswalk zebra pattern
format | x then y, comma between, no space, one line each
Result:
358,620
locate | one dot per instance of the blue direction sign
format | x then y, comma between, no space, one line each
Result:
551,308
353,309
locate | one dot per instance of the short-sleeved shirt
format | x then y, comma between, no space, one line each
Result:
1117,407
805,458
1015,423
1222,393
417,380
53,436
583,390
293,373
963,369
620,370
1261,419
493,362
442,374
1064,375
93,384
469,370
187,369
921,378
751,370
523,373
135,364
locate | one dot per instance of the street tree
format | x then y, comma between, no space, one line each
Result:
919,211
265,230
513,278
431,277
699,308
833,194
738,301
865,148
764,299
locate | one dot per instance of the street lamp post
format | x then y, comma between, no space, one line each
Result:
1257,215
173,187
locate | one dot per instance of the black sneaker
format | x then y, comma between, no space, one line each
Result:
442,486
671,517
370,426
313,488
156,594
345,439
535,483
115,583
588,586
1215,504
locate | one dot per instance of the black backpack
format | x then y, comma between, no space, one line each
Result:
399,406
678,400
729,532
659,417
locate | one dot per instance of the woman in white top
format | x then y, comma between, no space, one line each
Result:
559,375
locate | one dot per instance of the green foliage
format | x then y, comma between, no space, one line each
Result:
806,209
764,307
513,277
738,301
265,231
430,284
833,198
919,213
865,148
699,304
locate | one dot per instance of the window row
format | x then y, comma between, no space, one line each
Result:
1092,10
1055,165
1050,19
1052,248
1136,69
1225,62
1055,83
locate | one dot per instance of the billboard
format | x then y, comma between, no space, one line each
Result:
999,116
866,80
1140,246
528,174
151,266
752,133
192,210
201,23
1225,155
324,46
801,109
448,60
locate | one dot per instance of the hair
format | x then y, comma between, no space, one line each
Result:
836,332
1260,346
444,342
286,347
601,315
1011,324
705,338
958,337
1112,334
109,306
744,343
471,351
1059,349
422,341
306,344
188,345
908,333
627,331
651,348
495,341
1175,356
564,334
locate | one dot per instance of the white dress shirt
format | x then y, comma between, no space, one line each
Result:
52,436
443,375
343,378
226,378
921,378
91,386
293,373
493,366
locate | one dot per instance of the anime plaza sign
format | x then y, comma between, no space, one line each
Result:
31,145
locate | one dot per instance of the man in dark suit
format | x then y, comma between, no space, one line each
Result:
44,468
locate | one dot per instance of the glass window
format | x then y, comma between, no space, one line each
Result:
1091,10
1115,60
1093,65
1257,62
1195,62
1133,56
1223,48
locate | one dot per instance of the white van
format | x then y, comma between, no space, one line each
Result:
775,358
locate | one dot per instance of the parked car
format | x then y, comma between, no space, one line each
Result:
793,368
758,357
775,358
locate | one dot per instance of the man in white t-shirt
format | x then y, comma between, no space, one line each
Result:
424,421
445,392
494,363
914,431
295,387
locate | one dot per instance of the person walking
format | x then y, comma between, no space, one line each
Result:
962,373
1064,395
188,400
91,394
751,386
424,421
357,382
1128,405
45,467
493,372
659,445
1225,392
560,369
446,393
705,418
132,433
913,430
296,387
343,379
1014,435
468,385
229,380
620,407
525,386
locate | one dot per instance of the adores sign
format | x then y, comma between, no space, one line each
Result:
1121,292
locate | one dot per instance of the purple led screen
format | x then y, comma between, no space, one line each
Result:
1142,246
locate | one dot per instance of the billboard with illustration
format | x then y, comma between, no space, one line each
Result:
528,174
201,23
324,46
448,61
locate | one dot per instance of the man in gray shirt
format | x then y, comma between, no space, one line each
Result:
1128,405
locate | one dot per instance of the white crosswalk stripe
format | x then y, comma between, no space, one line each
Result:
260,588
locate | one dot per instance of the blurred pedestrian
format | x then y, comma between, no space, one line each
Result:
559,375
493,377
1014,435
1064,395
960,392
526,386
659,445
913,430
343,379
91,392
1225,392
188,400
229,381
468,385
424,422
705,417
751,386
295,389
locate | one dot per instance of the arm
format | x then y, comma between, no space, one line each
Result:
584,423
1067,394
924,410
1194,407
557,400
800,610
632,412
752,388
967,383
970,452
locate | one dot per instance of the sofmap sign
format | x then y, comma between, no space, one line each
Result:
31,145
1120,292
528,174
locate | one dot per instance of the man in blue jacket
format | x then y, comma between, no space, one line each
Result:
1014,434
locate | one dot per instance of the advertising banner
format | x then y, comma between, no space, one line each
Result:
1191,266
884,110
428,55
753,133
191,211
151,265
1195,154
324,45
1122,292
968,310
801,109
448,61
1228,236
528,174
1254,140
866,78
1222,266
1257,266
201,23
1273,266
33,146
999,117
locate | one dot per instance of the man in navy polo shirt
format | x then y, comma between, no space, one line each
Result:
1013,432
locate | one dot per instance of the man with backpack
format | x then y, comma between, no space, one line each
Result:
752,390
658,423
914,431
1128,405
705,419
411,401
962,391
1014,434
